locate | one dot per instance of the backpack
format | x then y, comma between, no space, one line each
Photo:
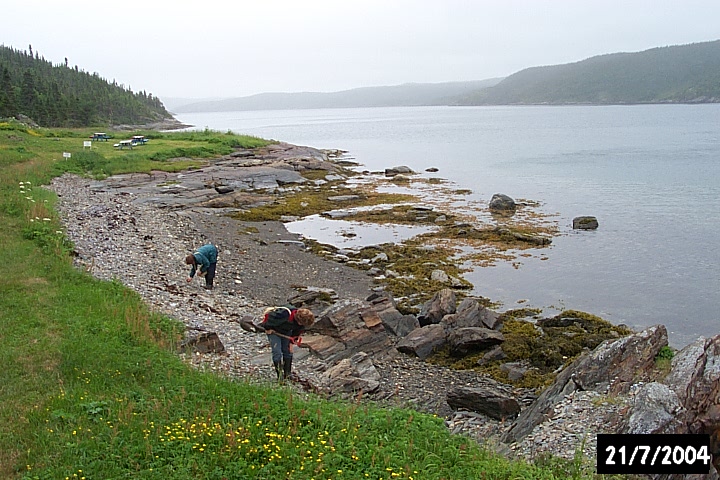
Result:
276,313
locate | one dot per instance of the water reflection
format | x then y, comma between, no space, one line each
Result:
353,235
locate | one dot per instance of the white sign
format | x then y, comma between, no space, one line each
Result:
67,155
87,143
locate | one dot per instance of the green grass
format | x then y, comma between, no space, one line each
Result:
90,386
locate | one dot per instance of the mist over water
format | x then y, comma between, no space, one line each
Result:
650,174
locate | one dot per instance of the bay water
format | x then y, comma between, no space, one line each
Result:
650,174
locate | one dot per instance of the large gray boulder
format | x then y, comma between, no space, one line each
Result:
441,304
423,342
502,203
351,375
486,400
585,223
470,313
467,340
394,322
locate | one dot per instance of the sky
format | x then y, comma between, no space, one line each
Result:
234,48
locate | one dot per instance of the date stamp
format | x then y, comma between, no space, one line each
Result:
651,454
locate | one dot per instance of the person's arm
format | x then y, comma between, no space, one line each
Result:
203,263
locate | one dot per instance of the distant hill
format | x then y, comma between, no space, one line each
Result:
676,74
64,96
410,94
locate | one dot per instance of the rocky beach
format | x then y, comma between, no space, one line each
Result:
137,229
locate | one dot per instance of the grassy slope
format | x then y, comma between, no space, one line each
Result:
90,388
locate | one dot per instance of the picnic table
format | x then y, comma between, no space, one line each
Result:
124,144
100,137
139,140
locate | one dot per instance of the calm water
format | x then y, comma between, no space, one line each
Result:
650,174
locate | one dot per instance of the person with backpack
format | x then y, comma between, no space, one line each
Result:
283,326
204,263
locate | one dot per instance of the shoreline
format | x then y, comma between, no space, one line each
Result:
262,264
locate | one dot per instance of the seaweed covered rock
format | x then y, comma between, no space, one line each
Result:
502,203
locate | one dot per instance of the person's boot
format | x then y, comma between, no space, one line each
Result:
287,367
279,370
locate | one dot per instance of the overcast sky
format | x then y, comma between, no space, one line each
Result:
210,48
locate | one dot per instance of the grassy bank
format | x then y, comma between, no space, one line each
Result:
90,386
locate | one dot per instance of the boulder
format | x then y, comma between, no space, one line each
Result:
206,342
351,375
656,410
486,400
394,322
585,223
467,340
514,370
492,355
441,304
439,276
401,170
353,324
422,342
470,313
503,203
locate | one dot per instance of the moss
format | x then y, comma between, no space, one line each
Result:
401,214
545,347
311,201
520,339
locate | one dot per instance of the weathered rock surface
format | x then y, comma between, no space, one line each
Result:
466,340
442,303
424,341
489,401
686,401
585,223
502,203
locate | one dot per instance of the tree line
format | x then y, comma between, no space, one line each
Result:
64,96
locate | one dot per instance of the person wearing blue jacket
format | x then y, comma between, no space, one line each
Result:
204,263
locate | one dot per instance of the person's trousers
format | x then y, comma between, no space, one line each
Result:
280,348
210,275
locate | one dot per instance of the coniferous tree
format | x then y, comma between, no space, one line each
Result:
63,96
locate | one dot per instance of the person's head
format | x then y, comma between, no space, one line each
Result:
304,317
190,259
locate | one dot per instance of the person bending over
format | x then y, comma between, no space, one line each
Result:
204,263
283,326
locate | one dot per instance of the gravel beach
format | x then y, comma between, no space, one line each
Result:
119,236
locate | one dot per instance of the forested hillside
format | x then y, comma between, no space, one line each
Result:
677,74
407,95
61,96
